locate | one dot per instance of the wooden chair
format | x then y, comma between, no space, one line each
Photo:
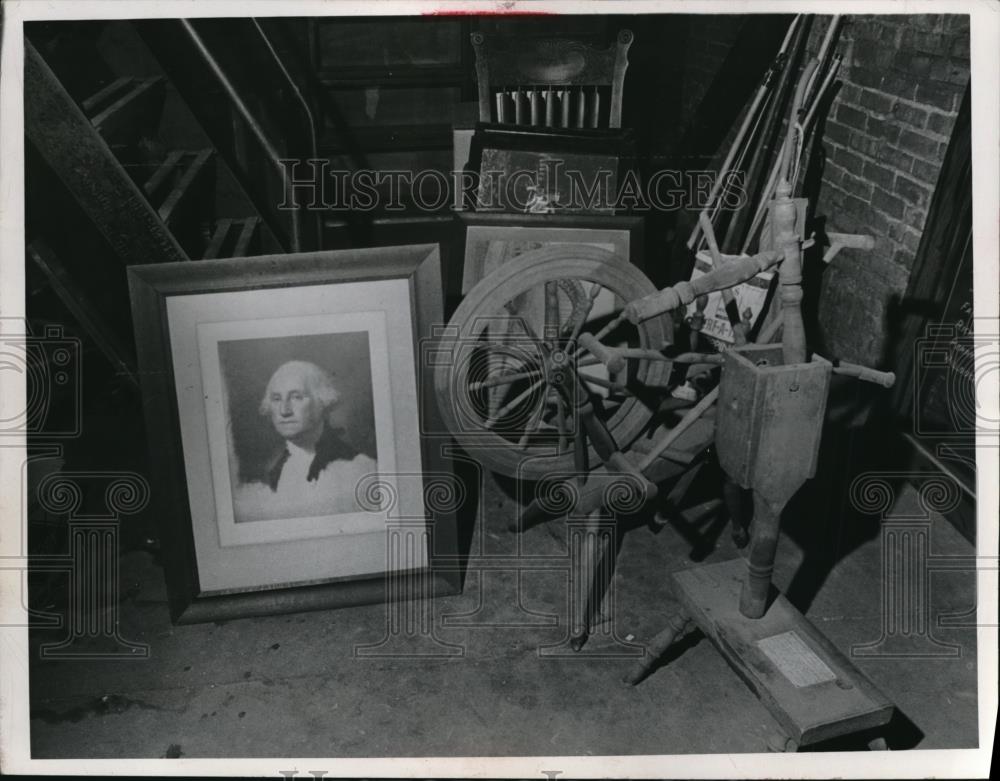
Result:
550,82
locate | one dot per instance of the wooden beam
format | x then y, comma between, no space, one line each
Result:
75,151
89,318
93,104
188,187
152,185
138,110
214,249
244,242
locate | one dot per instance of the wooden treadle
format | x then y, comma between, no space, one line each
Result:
810,687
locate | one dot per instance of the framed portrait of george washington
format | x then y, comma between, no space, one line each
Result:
285,406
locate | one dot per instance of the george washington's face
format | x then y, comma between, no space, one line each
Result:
296,414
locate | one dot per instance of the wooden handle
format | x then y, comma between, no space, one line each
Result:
885,379
839,241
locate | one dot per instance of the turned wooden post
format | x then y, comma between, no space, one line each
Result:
760,561
786,240
786,237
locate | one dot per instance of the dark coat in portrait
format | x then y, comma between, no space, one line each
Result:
330,447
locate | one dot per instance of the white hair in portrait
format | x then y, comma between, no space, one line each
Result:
317,381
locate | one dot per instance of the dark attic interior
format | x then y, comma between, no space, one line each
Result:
500,386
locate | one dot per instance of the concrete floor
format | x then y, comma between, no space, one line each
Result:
291,685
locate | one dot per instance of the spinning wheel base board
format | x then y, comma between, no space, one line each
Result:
811,688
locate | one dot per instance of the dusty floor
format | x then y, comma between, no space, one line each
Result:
497,678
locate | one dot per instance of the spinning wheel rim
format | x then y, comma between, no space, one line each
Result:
528,272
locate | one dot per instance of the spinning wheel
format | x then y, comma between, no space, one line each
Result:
555,363
523,360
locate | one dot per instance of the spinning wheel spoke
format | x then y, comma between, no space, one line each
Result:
600,381
505,410
504,362
501,379
533,426
511,350
611,325
498,392
530,332
580,350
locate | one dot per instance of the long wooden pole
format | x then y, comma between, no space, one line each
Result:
762,92
765,148
821,55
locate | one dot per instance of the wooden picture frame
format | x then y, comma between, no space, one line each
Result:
524,169
224,354
487,240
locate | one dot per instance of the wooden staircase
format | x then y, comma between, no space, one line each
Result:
112,195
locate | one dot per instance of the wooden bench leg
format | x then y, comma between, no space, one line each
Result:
782,744
678,625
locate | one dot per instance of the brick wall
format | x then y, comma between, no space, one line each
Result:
884,140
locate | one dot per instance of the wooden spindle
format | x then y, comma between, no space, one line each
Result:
786,241
595,107
518,106
550,107
536,109
501,108
760,561
786,237
564,105
789,275
733,272
581,107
